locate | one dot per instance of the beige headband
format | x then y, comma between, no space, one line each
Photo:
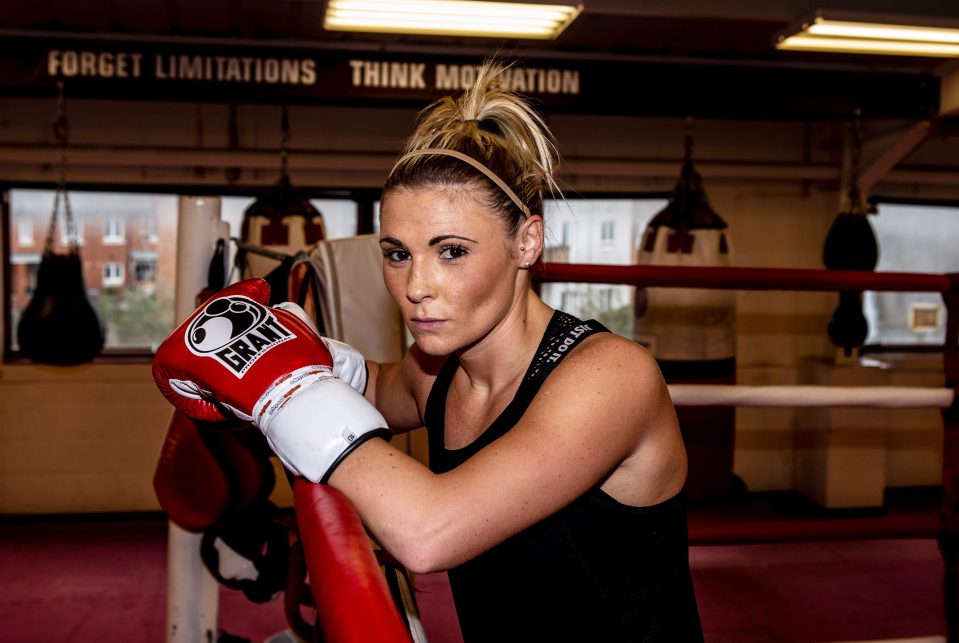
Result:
500,183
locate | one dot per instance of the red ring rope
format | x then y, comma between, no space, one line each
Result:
353,603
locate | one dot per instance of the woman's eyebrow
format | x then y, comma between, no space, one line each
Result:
391,240
444,237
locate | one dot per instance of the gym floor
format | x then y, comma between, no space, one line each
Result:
104,579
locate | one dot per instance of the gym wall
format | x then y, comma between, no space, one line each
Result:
85,439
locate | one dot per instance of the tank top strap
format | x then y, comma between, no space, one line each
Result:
434,417
563,334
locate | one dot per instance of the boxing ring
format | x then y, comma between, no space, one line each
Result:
351,597
811,280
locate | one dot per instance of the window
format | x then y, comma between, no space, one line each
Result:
149,230
112,275
138,312
25,231
607,233
912,238
113,231
145,270
598,220
129,256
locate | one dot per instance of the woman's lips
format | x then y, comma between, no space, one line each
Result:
426,325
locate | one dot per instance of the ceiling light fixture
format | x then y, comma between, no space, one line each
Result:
872,34
452,17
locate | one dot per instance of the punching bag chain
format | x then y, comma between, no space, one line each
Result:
856,203
683,214
284,141
61,134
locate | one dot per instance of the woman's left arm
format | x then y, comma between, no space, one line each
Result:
593,412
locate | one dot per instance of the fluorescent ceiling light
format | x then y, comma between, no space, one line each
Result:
873,34
451,17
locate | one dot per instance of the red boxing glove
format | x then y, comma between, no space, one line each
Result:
235,355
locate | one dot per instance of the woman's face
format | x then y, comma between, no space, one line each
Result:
449,264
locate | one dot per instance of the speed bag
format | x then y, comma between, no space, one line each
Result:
59,325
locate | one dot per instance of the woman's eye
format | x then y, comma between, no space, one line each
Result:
396,254
453,252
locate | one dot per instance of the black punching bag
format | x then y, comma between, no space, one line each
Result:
851,245
59,326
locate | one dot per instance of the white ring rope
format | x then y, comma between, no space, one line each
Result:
895,397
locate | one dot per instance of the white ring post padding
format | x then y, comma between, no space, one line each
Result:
192,598
895,397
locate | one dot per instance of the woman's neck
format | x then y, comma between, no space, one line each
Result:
499,359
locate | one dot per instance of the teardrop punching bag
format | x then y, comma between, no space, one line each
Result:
59,325
692,331
851,245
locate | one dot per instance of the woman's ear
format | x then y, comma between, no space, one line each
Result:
530,240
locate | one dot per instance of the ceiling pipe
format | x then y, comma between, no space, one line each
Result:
18,157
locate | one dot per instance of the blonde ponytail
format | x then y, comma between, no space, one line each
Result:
497,129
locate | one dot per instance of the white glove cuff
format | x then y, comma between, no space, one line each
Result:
323,419
285,389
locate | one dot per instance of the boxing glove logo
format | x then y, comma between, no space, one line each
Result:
235,331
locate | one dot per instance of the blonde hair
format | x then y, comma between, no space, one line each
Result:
496,128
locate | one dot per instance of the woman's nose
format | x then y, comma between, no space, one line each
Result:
419,282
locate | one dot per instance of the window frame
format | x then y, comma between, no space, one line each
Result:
114,239
108,281
364,198
604,240
907,349
21,238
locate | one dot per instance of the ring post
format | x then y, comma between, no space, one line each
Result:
192,598
949,534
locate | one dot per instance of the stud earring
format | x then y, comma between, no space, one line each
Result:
527,264
522,248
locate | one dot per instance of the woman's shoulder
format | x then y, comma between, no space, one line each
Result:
608,390
605,350
611,366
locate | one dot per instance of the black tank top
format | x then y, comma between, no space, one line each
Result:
597,570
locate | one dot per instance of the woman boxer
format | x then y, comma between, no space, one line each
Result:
554,495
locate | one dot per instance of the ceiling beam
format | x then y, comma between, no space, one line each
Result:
905,145
949,90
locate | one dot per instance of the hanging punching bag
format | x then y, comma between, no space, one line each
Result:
690,331
282,220
851,245
59,325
